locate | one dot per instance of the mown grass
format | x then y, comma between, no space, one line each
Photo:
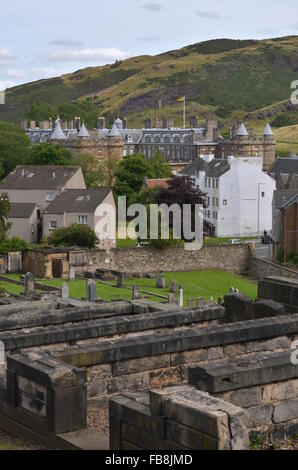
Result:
203,284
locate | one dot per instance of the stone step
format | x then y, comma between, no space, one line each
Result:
144,346
106,327
260,369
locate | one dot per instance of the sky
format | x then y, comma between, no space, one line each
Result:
42,39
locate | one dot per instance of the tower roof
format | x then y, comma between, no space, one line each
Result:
118,121
114,132
58,133
268,130
83,132
242,131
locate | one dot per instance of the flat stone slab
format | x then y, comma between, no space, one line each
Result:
259,370
85,440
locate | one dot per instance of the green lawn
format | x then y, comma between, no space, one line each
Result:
196,284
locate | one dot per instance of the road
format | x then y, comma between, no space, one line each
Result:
263,251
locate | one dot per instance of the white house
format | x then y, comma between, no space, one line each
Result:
239,194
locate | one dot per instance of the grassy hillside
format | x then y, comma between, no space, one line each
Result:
248,79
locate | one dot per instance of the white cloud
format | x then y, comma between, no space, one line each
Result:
153,7
67,42
5,55
88,54
210,15
15,73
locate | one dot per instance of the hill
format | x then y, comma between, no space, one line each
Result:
236,79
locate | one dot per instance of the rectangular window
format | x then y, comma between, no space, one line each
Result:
52,224
213,201
50,197
32,229
217,184
83,219
263,194
225,202
217,202
206,180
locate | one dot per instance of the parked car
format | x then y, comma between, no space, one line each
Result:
267,240
234,241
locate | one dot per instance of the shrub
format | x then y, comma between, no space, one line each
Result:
74,235
13,244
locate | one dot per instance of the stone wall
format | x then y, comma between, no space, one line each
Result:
232,258
176,418
280,289
260,268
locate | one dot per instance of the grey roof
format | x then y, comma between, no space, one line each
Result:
83,132
114,132
285,166
242,131
268,130
21,210
40,177
214,169
78,201
58,133
290,202
282,197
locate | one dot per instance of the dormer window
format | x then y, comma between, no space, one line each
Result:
50,197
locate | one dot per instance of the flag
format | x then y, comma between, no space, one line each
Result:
181,100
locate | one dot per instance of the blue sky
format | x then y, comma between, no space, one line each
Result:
40,39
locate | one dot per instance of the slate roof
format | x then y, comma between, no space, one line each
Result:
293,200
283,197
268,130
21,210
242,131
214,169
114,132
285,166
58,133
41,177
83,132
78,201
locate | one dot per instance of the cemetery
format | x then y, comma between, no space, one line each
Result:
214,375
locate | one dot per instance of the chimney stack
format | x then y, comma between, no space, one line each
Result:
101,123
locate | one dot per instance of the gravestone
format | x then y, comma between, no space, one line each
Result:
29,284
120,280
180,296
72,273
201,302
91,290
171,299
136,295
191,303
65,291
160,281
173,287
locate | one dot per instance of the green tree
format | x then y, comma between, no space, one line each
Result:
88,112
14,147
74,235
41,111
49,154
4,211
90,168
132,171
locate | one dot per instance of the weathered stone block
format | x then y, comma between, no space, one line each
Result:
259,416
280,391
285,411
164,377
96,373
129,382
187,357
142,364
